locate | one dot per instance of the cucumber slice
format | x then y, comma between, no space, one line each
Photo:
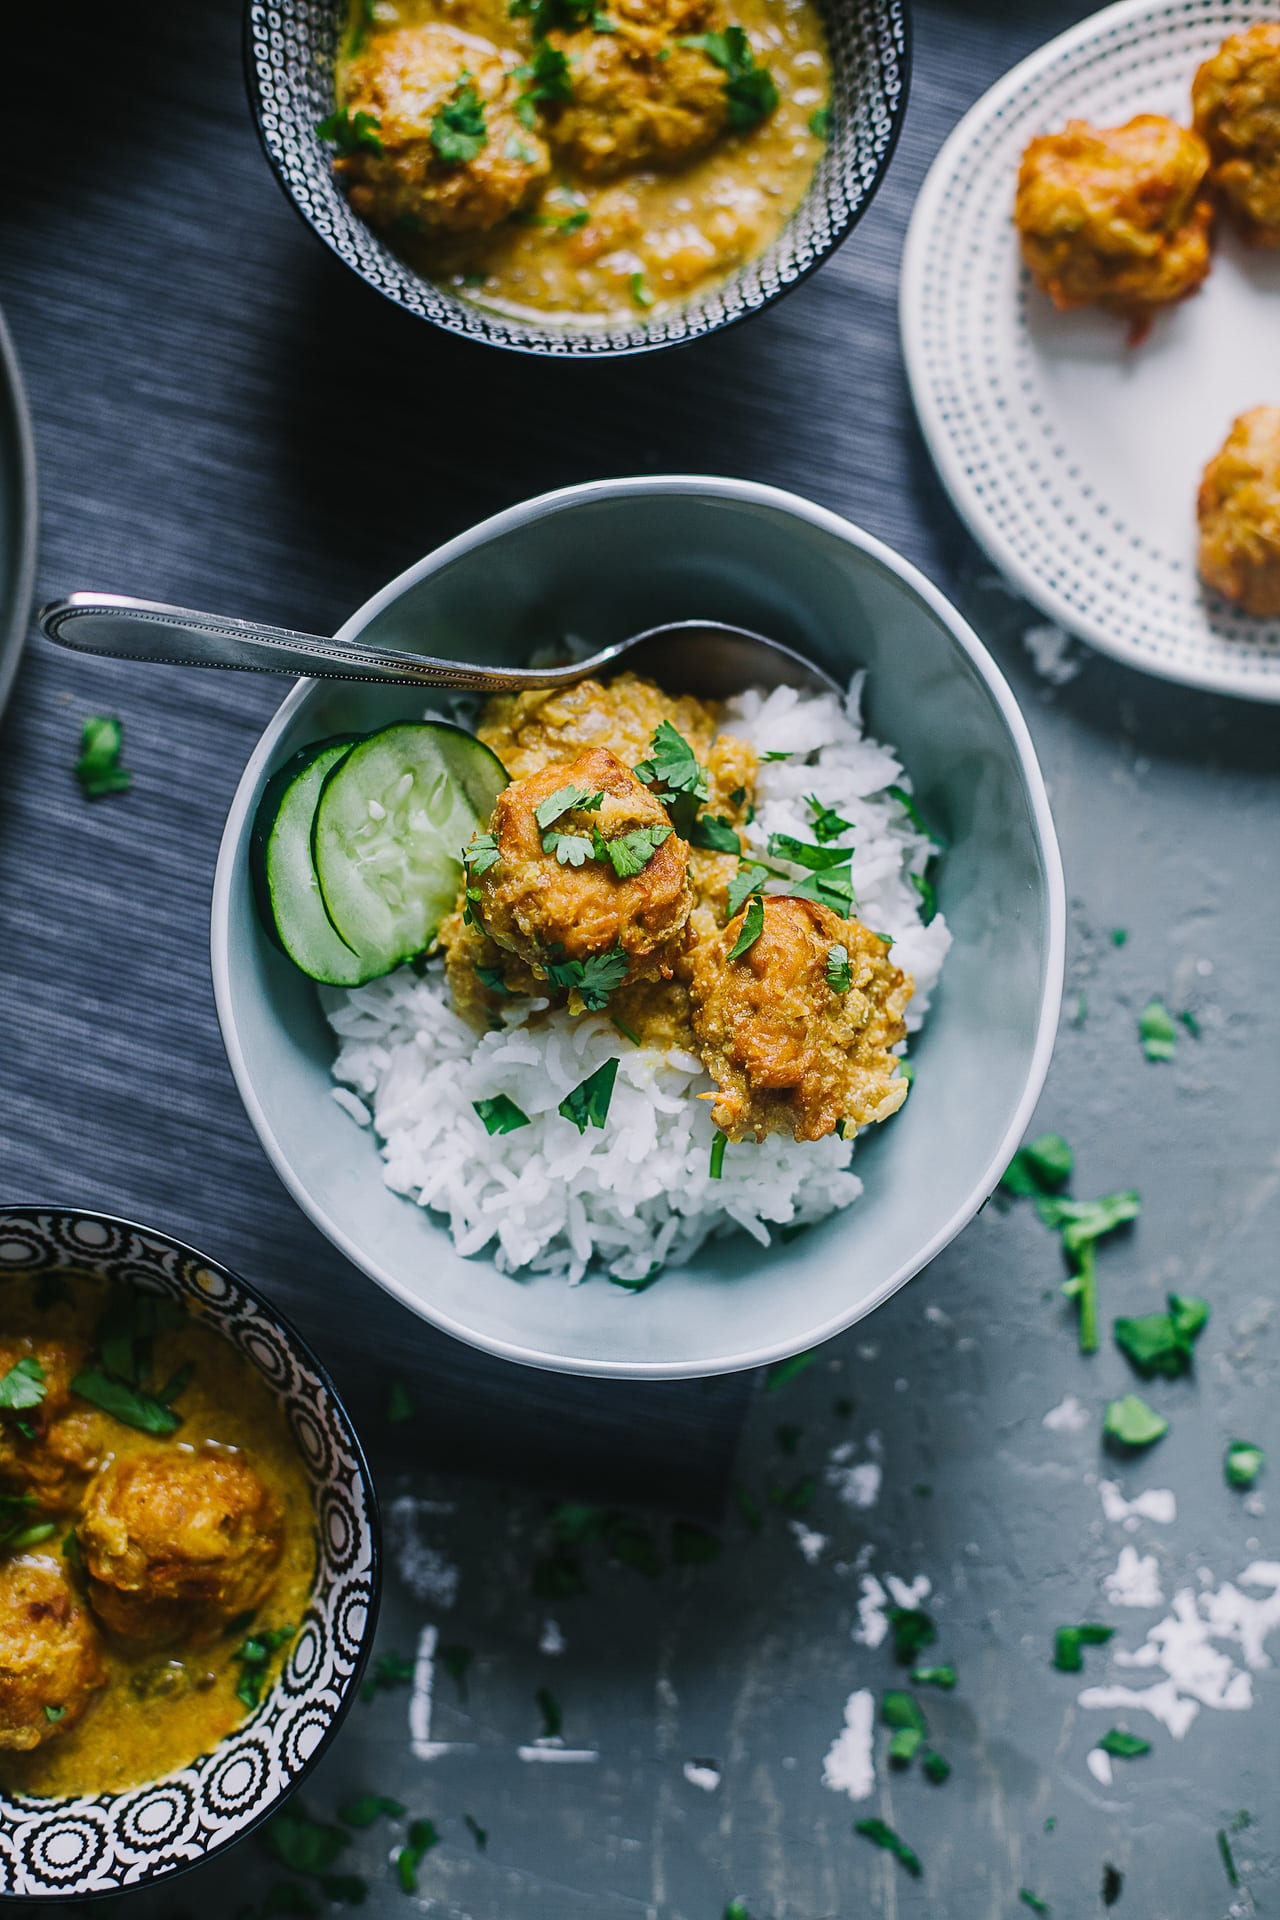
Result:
284,880
389,830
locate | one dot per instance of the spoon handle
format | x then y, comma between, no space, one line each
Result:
128,629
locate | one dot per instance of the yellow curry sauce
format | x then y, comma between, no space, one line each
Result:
162,1705
630,194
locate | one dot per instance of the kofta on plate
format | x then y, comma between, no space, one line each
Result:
1236,97
1239,511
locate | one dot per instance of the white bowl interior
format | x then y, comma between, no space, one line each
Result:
602,562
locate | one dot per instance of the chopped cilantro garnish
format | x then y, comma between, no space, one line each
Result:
54,1714
130,1405
368,1808
1243,1463
1132,1423
399,1403
568,799
672,767
23,1385
766,757
1228,1858
718,1146
1124,1746
17,1532
480,853
1118,936
545,83
904,1746
884,1836
303,1845
644,1281
361,26
1082,1224
1033,1900
478,1833
255,1657
751,929
500,1115
638,287
749,90
833,889
594,979
515,149
786,1370
1068,1643
494,980
389,1670
788,1437
1112,1884
456,1661
784,846
902,1712
628,1033
928,894
749,879
934,1676
912,1630
351,133
714,834
552,1717
736,1910
422,1837
1156,1031
631,852
820,123
98,769
914,815
458,131
588,1104
827,824
570,849
1163,1342
693,1546
1042,1166
839,972
935,1768
568,15
1189,1021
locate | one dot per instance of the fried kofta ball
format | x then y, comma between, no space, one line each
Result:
796,1030
50,1655
1236,97
641,95
442,149
48,1450
176,1543
1117,217
1239,511
545,901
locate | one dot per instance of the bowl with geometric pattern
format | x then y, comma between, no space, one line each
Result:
100,1843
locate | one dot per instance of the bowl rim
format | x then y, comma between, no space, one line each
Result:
537,347
742,492
10,1210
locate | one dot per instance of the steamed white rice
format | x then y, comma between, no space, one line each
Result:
639,1192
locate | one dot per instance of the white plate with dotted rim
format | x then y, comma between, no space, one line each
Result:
1074,458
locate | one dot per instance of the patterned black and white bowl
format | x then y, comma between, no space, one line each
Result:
289,55
99,1844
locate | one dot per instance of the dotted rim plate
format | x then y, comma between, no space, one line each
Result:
991,422
289,48
102,1843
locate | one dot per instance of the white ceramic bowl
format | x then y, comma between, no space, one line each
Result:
601,561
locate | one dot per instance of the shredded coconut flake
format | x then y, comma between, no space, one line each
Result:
1069,1416
850,1763
1157,1503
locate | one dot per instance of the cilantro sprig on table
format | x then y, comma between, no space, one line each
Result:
98,769
1242,1464
1038,1171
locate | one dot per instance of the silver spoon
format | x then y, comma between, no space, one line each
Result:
696,656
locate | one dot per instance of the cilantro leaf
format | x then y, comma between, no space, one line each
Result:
1228,1858
928,894
594,979
644,1281
500,1115
1033,1900
820,123
552,1718
639,289
422,1837
784,846
912,1630
1124,1746
715,1170
351,134
480,853
458,131
1042,1166
546,15
546,83
715,834
478,1833
934,1676
588,1104
749,90
673,765
833,889
1163,1342
749,879
98,769
827,824
902,1711
128,1404
568,799
399,1403
389,1670
302,1845
839,972
1068,1643
904,1746
1132,1423
494,979
631,852
884,1836
1084,1221
786,1370
751,929
914,815
23,1385
368,1808
1156,1031
570,849
1243,1463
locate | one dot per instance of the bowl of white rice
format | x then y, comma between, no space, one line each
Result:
631,1249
